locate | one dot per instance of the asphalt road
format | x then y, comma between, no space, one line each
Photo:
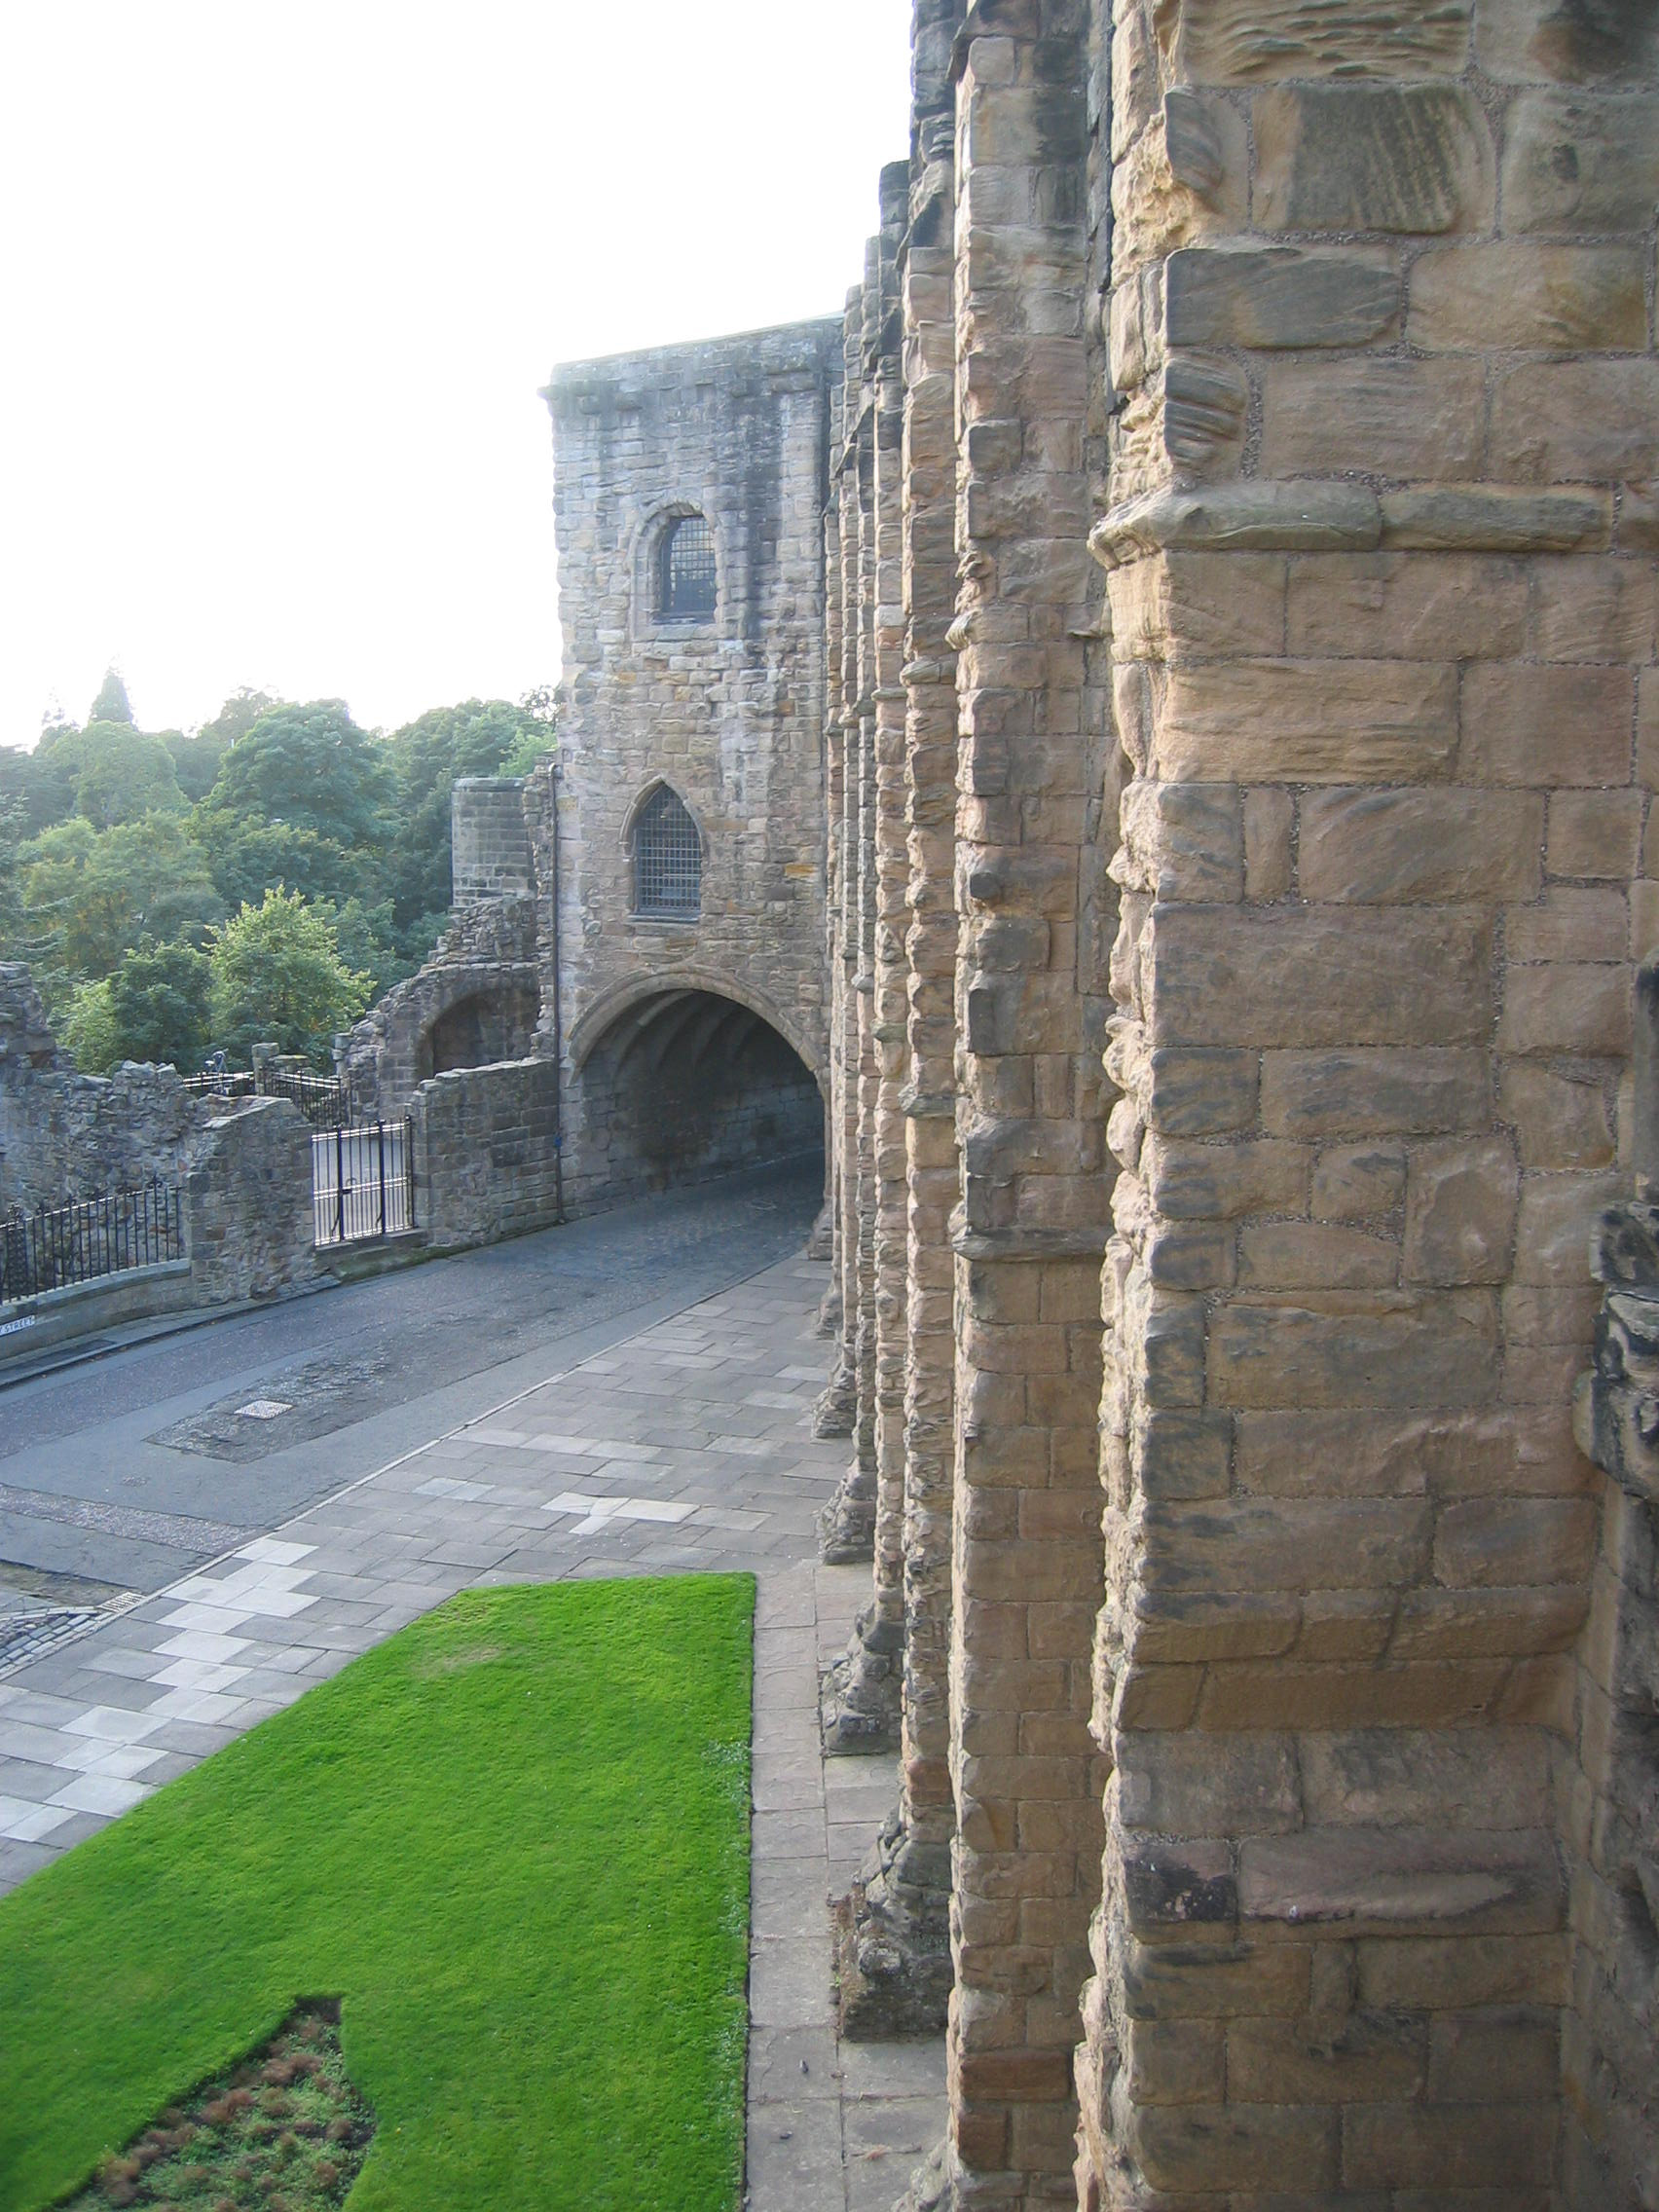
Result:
126,1472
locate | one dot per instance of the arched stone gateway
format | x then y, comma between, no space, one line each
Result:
680,1082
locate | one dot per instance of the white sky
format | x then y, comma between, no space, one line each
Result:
282,281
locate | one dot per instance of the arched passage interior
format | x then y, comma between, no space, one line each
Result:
684,1085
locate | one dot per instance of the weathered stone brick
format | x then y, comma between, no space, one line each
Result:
1461,1203
1278,296
1525,725
1409,605
1372,1092
1376,847
1307,721
1251,41
1594,834
1390,417
1580,161
1356,1348
1575,422
1372,158
1566,299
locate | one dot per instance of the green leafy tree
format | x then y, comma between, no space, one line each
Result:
159,999
124,774
247,856
112,704
89,896
312,768
90,1029
276,971
197,754
368,943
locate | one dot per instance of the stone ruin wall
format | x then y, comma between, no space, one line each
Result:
729,711
1265,770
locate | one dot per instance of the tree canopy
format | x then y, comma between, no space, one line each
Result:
275,975
121,851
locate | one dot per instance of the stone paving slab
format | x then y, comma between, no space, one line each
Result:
586,1473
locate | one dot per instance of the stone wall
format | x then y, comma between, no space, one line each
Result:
488,842
486,1152
1299,1708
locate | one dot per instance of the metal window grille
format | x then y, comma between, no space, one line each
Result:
668,858
687,592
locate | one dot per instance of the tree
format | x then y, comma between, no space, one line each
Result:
112,704
90,1029
124,775
312,768
428,754
246,855
89,896
197,756
159,999
275,973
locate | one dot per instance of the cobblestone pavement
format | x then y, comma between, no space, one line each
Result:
686,1446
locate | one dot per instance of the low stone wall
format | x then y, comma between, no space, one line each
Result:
485,1152
248,1224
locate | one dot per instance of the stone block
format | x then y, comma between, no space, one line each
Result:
1391,418
1476,518
1280,295
1575,422
1266,1544
1298,1255
1182,1784
1507,2054
1270,823
1280,1695
1443,1974
1178,1629
1357,1182
1594,834
1372,158
1373,1093
1201,1093
1322,976
1552,1234
1514,1542
1540,41
1562,1118
1464,1625
1174,2062
1369,2056
1566,1007
1590,610
1274,722
1197,606
1346,1454
1187,2147
1380,1880
1387,1778
1241,42
1267,1981
1568,924
1460,1204
1524,724
1186,839
1408,606
1376,847
1580,161
1353,1348
1218,1181
1449,2147
1511,293
1183,1454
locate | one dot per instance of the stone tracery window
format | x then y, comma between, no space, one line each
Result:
685,571
668,860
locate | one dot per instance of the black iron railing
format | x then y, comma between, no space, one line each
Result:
363,1181
320,1098
221,1083
105,1235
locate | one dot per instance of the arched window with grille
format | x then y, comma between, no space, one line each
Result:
685,571
668,859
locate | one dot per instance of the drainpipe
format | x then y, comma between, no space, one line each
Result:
558,1019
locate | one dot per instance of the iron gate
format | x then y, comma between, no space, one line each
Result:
362,1181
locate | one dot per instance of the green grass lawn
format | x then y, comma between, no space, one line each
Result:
513,1841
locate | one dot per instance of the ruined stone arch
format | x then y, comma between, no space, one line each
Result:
612,1005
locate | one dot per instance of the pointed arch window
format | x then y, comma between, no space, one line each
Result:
668,860
685,571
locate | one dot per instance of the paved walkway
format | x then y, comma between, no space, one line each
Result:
688,1446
